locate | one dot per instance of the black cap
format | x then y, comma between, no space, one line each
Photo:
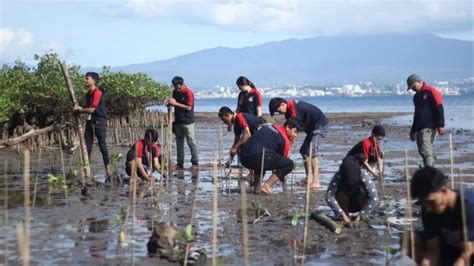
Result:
273,106
411,80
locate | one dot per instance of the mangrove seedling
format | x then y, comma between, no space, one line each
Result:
296,217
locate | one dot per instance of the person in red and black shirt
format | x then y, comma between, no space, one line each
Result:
352,189
428,119
183,125
249,100
315,125
97,120
276,140
144,150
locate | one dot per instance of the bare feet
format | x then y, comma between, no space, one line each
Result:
176,168
266,189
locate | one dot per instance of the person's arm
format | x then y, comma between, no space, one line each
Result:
141,168
96,97
84,110
174,103
245,137
437,104
466,254
412,130
430,253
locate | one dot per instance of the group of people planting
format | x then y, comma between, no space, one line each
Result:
262,147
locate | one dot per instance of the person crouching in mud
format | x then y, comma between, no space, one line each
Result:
276,140
144,149
352,188
245,125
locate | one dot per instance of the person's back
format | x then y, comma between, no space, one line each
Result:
310,116
243,120
268,138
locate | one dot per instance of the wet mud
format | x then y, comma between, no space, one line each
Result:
67,228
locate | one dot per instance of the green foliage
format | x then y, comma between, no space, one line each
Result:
115,158
296,216
121,217
57,182
42,90
188,233
390,250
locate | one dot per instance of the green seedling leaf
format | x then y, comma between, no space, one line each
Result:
188,233
390,250
296,216
294,220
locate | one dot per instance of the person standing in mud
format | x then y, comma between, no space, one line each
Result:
315,125
447,237
428,119
352,188
144,149
96,123
276,141
249,100
183,125
245,125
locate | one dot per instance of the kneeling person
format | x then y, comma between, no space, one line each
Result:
442,242
144,150
276,140
352,189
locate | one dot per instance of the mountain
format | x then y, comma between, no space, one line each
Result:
320,60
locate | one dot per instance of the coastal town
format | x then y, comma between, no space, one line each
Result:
453,88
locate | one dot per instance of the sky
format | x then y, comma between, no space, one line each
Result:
94,33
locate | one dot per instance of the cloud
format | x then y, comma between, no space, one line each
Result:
13,37
317,17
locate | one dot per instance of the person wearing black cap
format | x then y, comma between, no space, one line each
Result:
276,140
352,188
97,118
447,238
428,119
315,125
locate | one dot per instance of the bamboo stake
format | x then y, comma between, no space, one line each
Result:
191,218
245,240
23,231
408,214
62,162
214,213
134,198
86,170
5,214
463,212
36,176
308,195
170,139
452,159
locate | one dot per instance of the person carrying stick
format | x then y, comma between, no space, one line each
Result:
352,188
443,238
97,118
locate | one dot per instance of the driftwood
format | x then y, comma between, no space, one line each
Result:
84,155
32,133
326,221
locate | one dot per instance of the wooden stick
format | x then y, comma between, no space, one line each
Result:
382,181
170,139
452,159
463,211
23,231
308,195
214,213
5,214
245,236
30,134
191,218
327,222
134,199
85,156
409,214
36,177
62,162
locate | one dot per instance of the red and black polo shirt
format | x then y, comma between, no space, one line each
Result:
95,98
249,102
185,97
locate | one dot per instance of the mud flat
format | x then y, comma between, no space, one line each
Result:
78,230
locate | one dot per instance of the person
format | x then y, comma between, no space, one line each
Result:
245,125
352,190
443,238
96,123
144,150
428,119
276,141
315,125
249,100
183,125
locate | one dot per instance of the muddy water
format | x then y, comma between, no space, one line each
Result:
78,230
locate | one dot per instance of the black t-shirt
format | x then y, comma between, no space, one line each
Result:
186,97
243,120
249,102
272,138
448,226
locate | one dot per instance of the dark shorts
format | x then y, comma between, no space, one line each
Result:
315,139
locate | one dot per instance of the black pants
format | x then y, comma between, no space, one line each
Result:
281,166
99,128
